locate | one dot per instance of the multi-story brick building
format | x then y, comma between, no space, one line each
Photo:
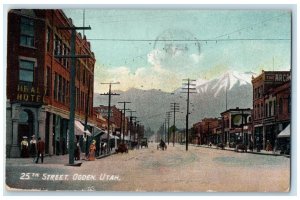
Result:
267,101
115,118
38,83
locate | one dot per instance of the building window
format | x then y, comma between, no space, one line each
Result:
48,81
48,38
266,109
65,52
27,32
55,86
26,70
57,46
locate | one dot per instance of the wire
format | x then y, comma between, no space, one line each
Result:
189,40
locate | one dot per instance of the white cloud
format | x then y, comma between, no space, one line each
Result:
168,68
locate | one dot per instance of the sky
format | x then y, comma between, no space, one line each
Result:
156,49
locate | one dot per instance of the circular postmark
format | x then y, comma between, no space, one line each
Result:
177,41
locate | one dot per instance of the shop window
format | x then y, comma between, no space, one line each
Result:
26,70
27,32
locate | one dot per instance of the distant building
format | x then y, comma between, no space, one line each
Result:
205,130
271,105
38,83
237,125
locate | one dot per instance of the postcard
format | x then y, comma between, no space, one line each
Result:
148,100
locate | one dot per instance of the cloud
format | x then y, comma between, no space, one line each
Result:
152,77
174,58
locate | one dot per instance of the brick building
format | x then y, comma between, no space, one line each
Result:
270,96
205,129
237,124
38,83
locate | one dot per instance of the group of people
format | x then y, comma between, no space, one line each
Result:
36,149
33,148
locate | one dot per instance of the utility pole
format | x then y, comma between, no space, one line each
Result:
175,107
73,57
165,129
108,113
189,90
130,128
168,114
124,102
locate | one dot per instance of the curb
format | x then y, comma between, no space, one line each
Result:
251,152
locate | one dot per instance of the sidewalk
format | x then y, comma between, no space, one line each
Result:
52,159
262,152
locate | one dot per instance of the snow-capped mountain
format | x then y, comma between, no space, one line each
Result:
224,82
209,101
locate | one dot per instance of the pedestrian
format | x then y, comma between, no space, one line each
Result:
92,150
40,150
77,150
275,146
32,146
268,146
24,147
63,149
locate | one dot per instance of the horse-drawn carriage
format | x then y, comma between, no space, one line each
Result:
144,143
162,146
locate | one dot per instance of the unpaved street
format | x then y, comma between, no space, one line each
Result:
198,170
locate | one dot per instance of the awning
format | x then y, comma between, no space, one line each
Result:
285,133
79,129
104,136
98,131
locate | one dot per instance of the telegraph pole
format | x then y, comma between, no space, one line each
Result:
73,57
189,90
108,114
130,128
124,102
165,129
168,118
175,107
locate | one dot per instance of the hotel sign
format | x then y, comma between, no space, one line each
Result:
277,77
30,93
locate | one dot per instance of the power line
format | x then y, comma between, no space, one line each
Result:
189,40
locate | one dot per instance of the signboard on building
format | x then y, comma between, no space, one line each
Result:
29,93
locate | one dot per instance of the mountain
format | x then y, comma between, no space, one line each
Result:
209,101
226,81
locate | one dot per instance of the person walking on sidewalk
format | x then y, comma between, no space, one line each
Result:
92,150
32,146
40,150
24,148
